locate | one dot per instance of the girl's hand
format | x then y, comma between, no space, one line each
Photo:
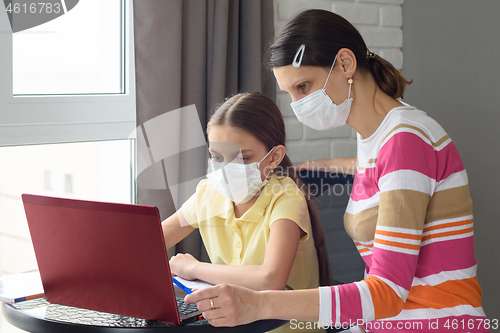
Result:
233,305
183,265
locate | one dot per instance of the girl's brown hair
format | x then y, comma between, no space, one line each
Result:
260,116
324,33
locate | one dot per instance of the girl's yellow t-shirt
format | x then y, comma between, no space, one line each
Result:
243,241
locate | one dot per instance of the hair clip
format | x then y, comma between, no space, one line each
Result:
370,54
300,52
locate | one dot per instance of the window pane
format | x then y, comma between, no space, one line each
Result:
79,52
92,170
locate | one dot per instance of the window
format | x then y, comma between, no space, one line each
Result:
57,110
85,170
80,52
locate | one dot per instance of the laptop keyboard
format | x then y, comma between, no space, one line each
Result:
40,308
184,308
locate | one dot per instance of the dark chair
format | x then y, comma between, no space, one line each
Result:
333,191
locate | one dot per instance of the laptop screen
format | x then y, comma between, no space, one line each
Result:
102,256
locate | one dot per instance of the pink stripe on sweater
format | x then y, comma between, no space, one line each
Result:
350,300
449,255
364,185
449,162
368,261
396,267
407,151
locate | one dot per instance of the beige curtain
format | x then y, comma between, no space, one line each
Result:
191,52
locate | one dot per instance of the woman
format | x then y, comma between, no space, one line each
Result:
410,212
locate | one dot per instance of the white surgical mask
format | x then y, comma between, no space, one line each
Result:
236,182
317,110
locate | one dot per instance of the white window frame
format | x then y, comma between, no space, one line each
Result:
65,118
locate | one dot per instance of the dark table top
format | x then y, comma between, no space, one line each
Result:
39,316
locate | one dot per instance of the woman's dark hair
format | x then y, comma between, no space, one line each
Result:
260,116
324,33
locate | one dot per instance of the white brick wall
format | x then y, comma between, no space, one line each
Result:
379,22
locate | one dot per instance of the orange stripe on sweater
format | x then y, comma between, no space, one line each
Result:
448,233
397,244
448,225
386,302
365,245
445,295
397,234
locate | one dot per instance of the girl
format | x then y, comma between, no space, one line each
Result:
256,220
410,212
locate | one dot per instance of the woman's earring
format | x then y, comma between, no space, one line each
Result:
349,80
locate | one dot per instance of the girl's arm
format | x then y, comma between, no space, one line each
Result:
345,165
175,229
272,274
235,305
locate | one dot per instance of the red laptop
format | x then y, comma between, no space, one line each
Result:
101,256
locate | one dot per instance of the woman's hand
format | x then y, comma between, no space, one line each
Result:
232,305
183,265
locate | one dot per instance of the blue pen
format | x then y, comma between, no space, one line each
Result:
180,285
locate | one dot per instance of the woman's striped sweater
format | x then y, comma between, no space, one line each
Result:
410,216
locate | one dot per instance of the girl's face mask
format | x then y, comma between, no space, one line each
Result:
237,182
317,110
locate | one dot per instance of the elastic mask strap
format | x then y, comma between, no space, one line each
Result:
258,164
266,155
330,72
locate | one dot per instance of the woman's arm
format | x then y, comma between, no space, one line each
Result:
235,305
175,229
345,165
280,254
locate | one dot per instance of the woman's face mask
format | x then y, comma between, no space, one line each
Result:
317,110
236,181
